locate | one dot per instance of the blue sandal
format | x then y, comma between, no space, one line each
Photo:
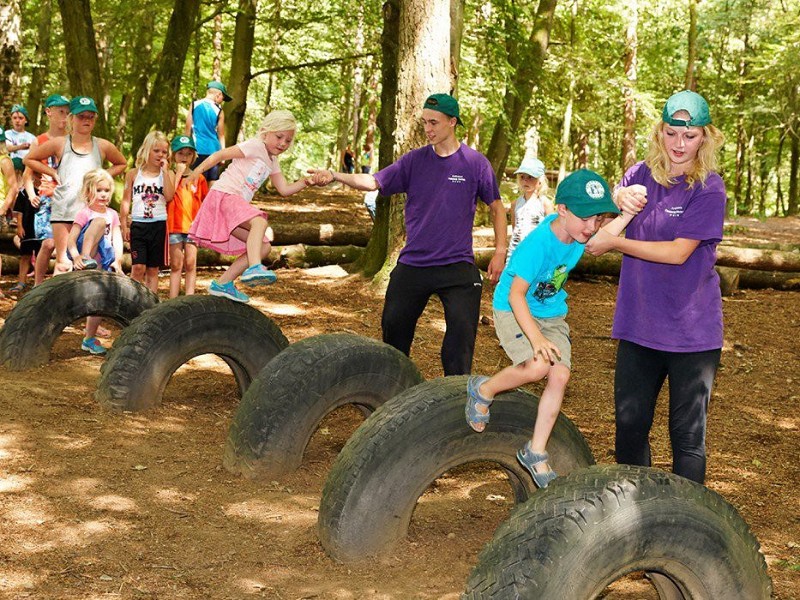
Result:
474,398
529,459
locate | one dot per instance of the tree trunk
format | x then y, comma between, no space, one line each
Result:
629,88
239,78
216,67
39,71
741,134
566,157
526,65
161,109
10,42
358,86
324,234
456,35
375,254
794,163
80,48
133,98
690,82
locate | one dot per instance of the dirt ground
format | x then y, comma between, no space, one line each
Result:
99,505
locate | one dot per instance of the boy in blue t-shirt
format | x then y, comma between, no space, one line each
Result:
530,304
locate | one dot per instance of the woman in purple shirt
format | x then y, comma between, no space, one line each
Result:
668,317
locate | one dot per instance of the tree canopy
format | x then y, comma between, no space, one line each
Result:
547,76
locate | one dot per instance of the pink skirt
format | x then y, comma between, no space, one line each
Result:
219,215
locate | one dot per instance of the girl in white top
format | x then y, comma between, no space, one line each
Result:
532,205
143,210
227,221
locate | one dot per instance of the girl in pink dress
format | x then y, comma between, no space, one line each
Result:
227,221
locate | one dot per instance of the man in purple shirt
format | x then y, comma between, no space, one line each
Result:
443,182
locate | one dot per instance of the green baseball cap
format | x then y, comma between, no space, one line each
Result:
81,104
691,102
182,141
218,85
444,103
585,194
22,110
56,100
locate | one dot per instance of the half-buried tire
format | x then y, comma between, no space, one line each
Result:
587,530
163,338
41,315
411,440
284,405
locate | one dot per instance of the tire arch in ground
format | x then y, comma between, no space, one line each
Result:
291,395
411,440
589,529
165,337
42,314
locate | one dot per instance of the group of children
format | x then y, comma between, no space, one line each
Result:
61,192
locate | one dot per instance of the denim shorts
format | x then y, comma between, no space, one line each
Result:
179,238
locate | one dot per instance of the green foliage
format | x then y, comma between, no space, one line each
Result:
746,67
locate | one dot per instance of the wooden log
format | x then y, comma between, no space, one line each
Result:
324,234
609,264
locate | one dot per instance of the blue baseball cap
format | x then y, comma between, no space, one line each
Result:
585,194
182,141
691,102
218,85
56,100
531,166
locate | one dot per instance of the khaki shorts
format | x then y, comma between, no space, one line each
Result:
516,344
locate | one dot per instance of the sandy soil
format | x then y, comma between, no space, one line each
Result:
98,505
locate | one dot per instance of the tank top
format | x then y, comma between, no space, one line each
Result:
205,116
148,203
71,169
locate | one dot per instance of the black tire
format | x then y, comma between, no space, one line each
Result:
41,315
163,338
591,528
291,395
411,440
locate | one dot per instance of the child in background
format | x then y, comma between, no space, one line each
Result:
532,205
18,144
29,243
95,239
8,178
181,212
41,187
530,306
148,188
227,221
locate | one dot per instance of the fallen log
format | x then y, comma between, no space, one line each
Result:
609,264
322,234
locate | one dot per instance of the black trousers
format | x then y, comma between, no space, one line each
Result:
458,286
639,375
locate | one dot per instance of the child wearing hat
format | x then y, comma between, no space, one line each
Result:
19,141
530,308
180,213
532,205
205,123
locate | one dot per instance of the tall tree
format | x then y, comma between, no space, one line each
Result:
39,71
161,108
80,47
629,88
526,63
423,68
10,23
241,59
690,81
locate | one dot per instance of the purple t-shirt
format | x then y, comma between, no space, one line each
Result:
442,194
677,308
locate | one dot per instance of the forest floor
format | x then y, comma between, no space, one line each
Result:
100,505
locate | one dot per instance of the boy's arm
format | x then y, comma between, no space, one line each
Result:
519,305
359,181
27,183
187,129
619,224
221,129
500,226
